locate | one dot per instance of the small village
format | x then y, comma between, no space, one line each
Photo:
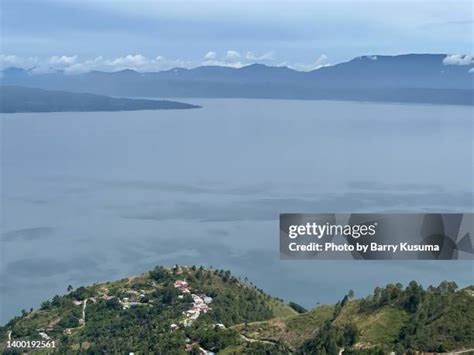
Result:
132,298
200,303
200,306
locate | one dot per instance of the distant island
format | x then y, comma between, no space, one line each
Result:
23,99
408,78
194,310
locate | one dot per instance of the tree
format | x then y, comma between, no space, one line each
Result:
447,287
45,305
414,294
297,307
350,333
195,350
70,288
159,274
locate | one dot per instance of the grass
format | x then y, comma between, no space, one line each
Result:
291,330
379,327
281,310
311,319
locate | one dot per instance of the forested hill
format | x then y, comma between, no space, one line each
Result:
394,319
22,99
161,311
197,311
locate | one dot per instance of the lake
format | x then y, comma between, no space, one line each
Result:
89,197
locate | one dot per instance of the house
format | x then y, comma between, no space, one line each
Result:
194,316
44,336
197,299
182,285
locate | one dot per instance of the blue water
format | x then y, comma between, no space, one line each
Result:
89,197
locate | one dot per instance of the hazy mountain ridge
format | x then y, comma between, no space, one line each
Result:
196,310
423,78
23,99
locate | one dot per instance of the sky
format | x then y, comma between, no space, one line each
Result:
83,35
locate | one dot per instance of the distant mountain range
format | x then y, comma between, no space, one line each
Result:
190,310
23,99
422,78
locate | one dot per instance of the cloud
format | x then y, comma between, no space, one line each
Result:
7,60
86,66
63,60
210,56
321,61
137,62
130,61
74,64
458,59
264,57
471,70
232,57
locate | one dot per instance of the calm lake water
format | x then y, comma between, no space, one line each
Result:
89,197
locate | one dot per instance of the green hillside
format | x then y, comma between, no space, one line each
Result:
189,310
147,314
392,319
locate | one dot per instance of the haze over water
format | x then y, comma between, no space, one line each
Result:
90,197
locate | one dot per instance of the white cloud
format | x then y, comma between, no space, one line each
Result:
86,66
471,71
210,55
321,61
131,61
74,65
232,57
136,61
7,60
63,60
458,59
264,57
